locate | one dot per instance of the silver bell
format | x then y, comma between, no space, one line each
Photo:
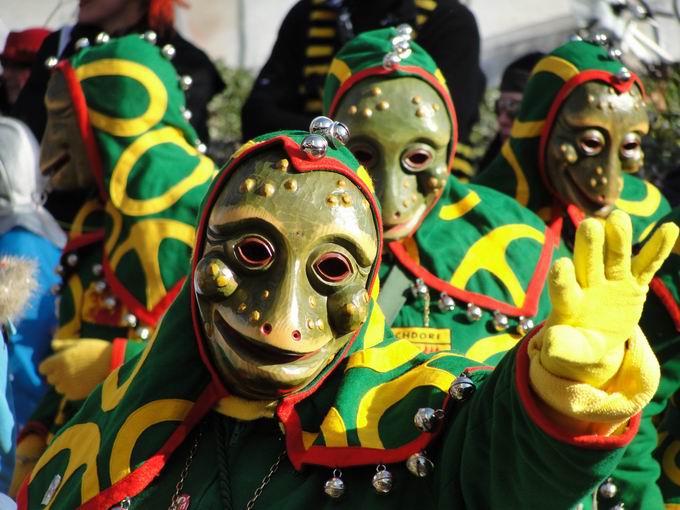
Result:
168,51
419,465
608,489
320,126
142,333
201,147
335,487
130,320
99,286
462,388
427,418
81,43
314,146
110,302
382,480
340,133
405,30
525,325
623,75
473,312
72,259
446,303
615,53
402,47
600,39
97,269
391,60
51,62
618,506
185,82
575,37
186,113
419,289
500,321
150,36
102,38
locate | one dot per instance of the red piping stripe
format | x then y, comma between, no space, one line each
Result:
667,300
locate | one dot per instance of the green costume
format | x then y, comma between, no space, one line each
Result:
116,122
352,424
581,81
473,263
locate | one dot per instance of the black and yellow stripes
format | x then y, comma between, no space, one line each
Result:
423,10
322,44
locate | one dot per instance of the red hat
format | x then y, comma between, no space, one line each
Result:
162,14
22,47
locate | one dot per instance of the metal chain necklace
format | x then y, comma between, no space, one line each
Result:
176,497
265,481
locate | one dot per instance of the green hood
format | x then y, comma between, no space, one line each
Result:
518,170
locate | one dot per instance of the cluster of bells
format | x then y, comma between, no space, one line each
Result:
323,131
100,286
168,51
602,39
474,313
401,47
426,419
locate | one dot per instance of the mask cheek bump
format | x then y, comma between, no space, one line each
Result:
213,279
348,309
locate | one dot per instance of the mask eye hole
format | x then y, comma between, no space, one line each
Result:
333,267
254,252
591,142
416,160
364,154
630,148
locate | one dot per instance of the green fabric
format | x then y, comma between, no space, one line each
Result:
542,90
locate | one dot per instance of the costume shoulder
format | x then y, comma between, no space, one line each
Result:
481,246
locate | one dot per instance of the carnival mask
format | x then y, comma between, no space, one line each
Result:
282,282
401,134
63,156
596,136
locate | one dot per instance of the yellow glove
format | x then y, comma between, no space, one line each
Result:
28,452
591,333
77,366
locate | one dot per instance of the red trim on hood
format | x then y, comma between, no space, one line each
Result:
86,132
567,88
148,317
532,406
533,291
140,478
302,164
667,300
431,80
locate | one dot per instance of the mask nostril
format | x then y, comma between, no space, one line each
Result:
397,214
296,335
266,328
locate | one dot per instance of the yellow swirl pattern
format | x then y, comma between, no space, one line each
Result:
557,66
375,331
461,208
333,429
645,207
380,398
82,441
72,328
522,189
140,207
141,419
155,89
488,253
116,227
528,129
340,70
78,226
669,464
384,359
486,347
148,235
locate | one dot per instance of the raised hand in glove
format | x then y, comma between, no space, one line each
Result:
591,336
77,366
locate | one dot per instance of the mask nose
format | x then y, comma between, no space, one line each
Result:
399,196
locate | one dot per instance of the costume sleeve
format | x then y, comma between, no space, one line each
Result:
274,102
504,450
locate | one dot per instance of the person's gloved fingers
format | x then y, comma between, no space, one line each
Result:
565,292
618,246
59,344
50,364
589,253
654,253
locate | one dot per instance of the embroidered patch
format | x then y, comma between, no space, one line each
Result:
427,339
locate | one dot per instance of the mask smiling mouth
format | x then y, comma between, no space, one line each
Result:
599,204
403,229
251,349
